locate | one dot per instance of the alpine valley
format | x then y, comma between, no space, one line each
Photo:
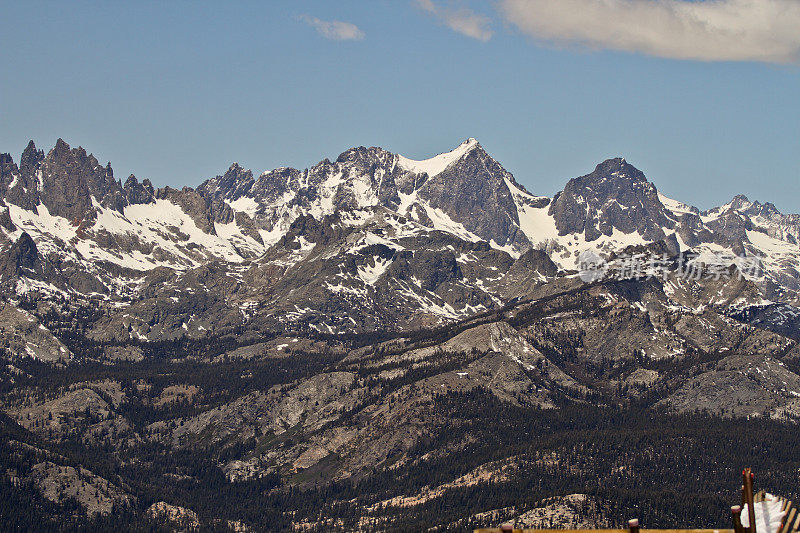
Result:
380,343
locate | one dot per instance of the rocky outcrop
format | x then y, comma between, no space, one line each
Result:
741,386
21,257
235,183
95,494
138,193
616,196
25,336
574,511
175,517
193,204
537,261
9,173
30,160
71,179
23,187
5,218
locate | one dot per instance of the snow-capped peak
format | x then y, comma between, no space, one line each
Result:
436,165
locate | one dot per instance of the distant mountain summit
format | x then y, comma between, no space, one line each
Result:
462,190
615,197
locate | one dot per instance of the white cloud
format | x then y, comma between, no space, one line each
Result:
460,19
334,29
711,30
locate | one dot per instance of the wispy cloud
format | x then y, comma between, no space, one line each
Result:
334,29
711,30
460,19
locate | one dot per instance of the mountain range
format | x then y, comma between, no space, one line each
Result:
323,342
365,232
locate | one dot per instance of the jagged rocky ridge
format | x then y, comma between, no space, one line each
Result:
370,241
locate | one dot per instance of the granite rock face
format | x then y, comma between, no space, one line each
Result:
71,179
138,193
22,257
22,333
616,196
741,386
473,190
96,495
5,219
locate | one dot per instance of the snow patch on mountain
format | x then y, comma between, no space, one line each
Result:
369,238
245,205
537,225
232,234
363,190
675,207
443,222
371,274
437,164
406,201
42,223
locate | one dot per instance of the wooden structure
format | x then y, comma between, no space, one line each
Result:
791,518
790,524
511,529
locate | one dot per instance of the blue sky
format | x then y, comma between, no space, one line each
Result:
176,91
